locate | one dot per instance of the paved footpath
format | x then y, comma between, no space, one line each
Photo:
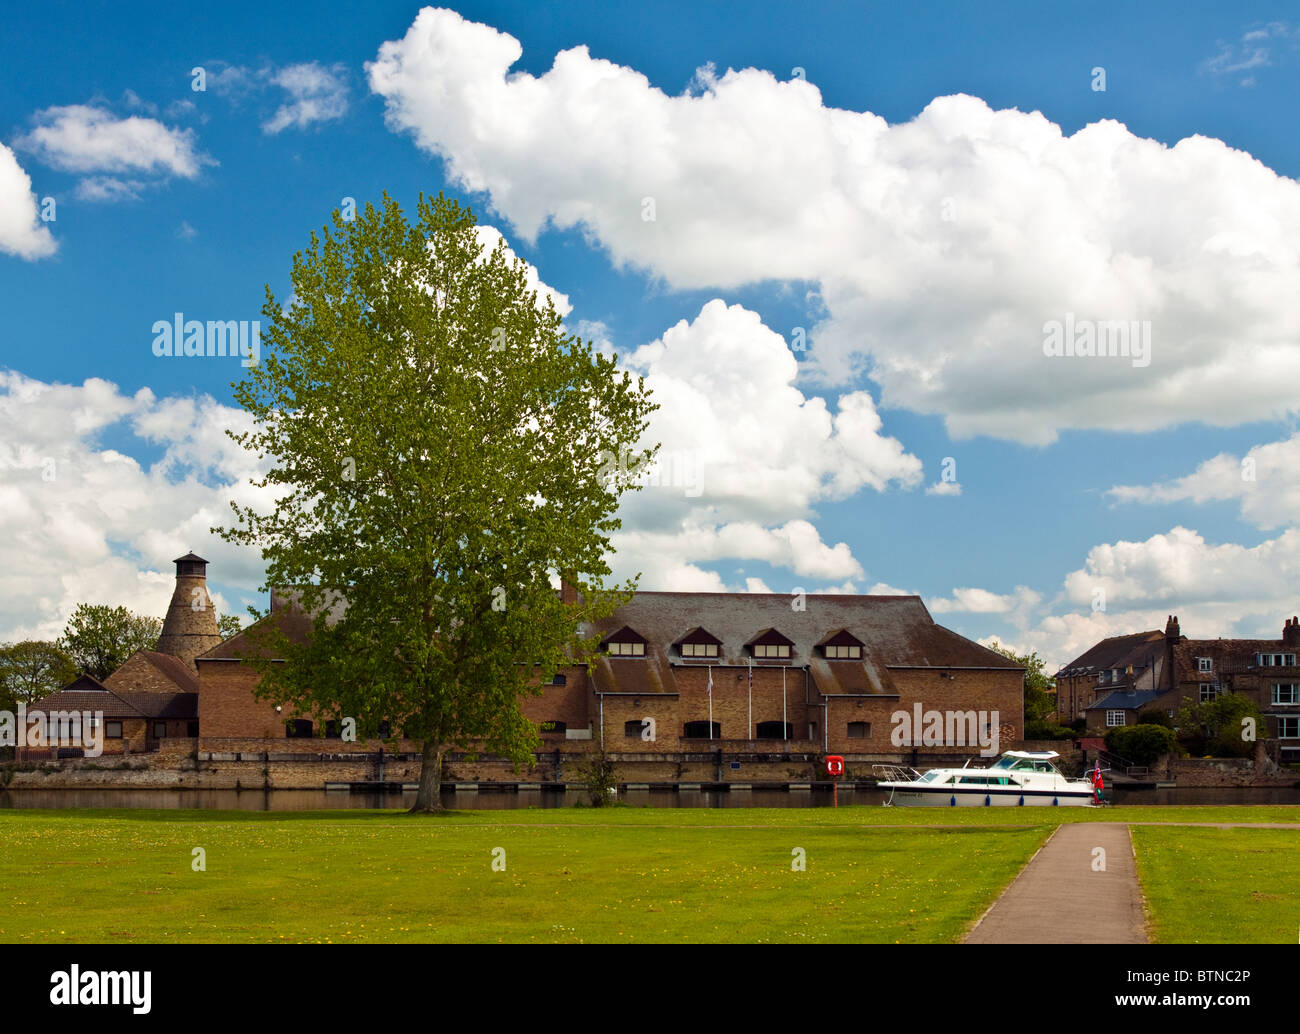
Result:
1060,897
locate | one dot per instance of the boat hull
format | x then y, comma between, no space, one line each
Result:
907,796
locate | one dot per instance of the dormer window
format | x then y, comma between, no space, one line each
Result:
841,646
697,644
770,645
625,643
1204,664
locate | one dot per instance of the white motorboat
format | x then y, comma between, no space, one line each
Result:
1020,778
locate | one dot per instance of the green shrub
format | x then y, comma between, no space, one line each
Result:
1216,728
597,774
1141,744
1155,716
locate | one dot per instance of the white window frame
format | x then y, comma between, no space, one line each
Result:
1111,723
1287,721
1293,692
1205,664
1210,691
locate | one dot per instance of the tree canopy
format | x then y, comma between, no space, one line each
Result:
31,670
1215,727
99,638
442,449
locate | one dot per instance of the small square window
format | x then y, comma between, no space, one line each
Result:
1204,664
113,730
159,730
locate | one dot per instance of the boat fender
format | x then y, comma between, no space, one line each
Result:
1022,800
1055,801
988,800
952,801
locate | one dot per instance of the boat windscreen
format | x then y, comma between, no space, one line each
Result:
1004,762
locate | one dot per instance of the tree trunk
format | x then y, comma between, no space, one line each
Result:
429,796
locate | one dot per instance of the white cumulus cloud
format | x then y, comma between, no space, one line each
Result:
21,231
939,247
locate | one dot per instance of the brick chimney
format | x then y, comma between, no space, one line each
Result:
1172,630
569,589
1291,633
190,627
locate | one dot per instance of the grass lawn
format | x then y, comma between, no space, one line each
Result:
355,877
1220,886
598,875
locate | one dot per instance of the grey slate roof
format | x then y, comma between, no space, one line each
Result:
1125,700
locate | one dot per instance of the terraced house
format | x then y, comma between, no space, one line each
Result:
1114,681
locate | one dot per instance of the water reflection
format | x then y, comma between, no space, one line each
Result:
487,799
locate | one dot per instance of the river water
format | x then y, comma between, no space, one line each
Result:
318,800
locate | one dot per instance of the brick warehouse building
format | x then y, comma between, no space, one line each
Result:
788,682
776,681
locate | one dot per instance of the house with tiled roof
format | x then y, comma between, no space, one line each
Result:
131,722
153,696
1126,675
1125,663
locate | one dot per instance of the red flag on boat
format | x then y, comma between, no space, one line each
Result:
1097,784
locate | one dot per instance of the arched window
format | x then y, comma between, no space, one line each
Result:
554,728
298,729
700,730
774,731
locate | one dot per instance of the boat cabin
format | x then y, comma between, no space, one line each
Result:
1027,761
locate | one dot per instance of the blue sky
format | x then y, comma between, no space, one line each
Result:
170,199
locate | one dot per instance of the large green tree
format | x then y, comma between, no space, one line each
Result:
32,669
440,447
100,638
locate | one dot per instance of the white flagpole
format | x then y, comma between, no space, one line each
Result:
710,701
784,727
749,732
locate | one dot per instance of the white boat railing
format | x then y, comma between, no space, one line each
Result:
894,773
